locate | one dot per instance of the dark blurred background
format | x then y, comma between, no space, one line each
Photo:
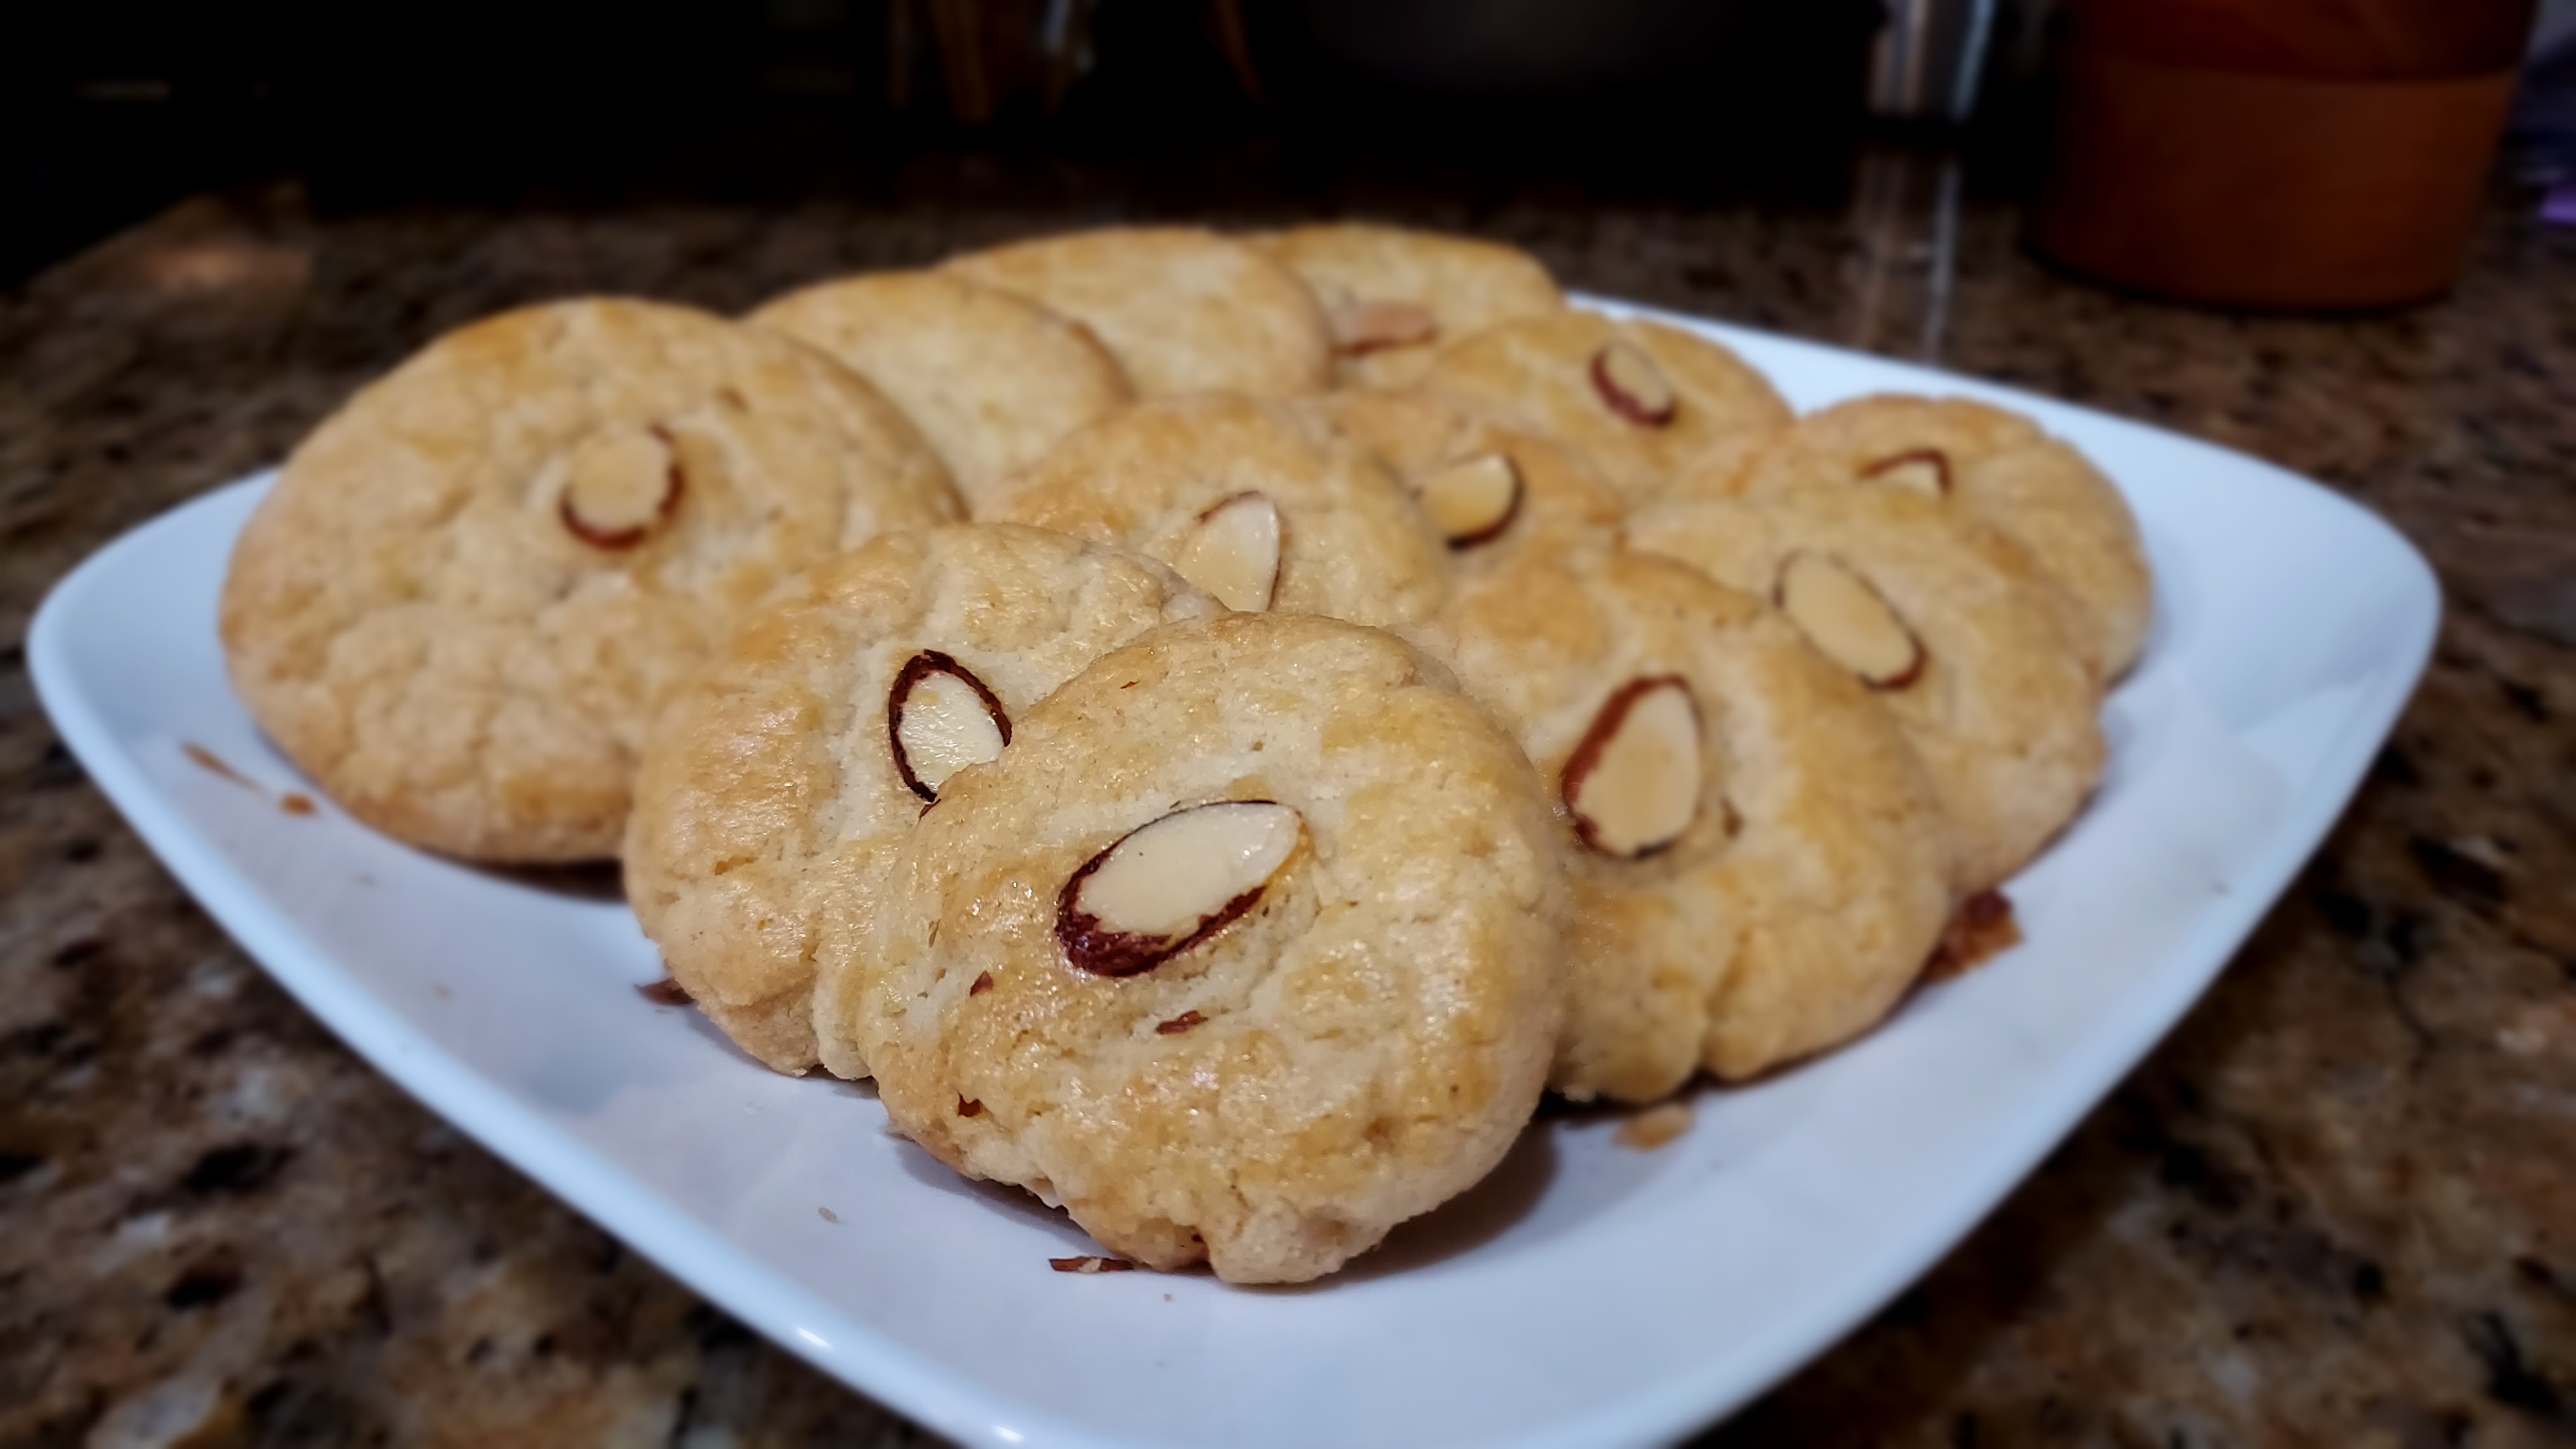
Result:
112,109
117,107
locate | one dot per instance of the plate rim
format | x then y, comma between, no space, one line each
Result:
915,1385
924,1387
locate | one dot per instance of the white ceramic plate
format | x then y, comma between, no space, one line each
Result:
1587,1294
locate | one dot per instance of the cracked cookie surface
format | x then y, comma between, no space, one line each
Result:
1792,897
471,588
1344,537
1183,309
1362,1037
1997,467
1394,297
1641,402
991,379
1996,697
825,726
1554,499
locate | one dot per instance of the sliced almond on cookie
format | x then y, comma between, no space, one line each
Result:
1847,618
1360,327
1474,499
1233,552
1922,470
1171,883
1633,386
940,718
620,485
1633,785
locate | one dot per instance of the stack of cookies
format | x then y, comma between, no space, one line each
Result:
1214,726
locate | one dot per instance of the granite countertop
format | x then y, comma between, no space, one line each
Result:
2338,1206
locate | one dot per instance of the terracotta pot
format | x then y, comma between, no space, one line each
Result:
2320,39
2312,154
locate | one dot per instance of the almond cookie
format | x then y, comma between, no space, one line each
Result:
1245,951
830,721
1393,297
1491,492
992,380
1994,465
1759,866
1184,310
1642,402
1949,624
462,604
1262,508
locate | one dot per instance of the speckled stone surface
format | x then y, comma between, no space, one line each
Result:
2338,1207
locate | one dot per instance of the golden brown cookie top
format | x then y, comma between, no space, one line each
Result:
462,602
1182,309
1642,402
1394,296
1492,492
1758,864
991,379
1246,950
834,715
1948,623
1260,507
1993,464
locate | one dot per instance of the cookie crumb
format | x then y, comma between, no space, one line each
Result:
295,802
1981,929
1090,1264
1655,1126
827,1215
207,759
665,992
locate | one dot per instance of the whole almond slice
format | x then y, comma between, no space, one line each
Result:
1923,470
1171,883
1632,385
1633,785
940,718
1843,615
620,485
1360,327
1474,499
1233,552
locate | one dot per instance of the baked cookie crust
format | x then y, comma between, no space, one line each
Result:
780,766
474,585
1361,1039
